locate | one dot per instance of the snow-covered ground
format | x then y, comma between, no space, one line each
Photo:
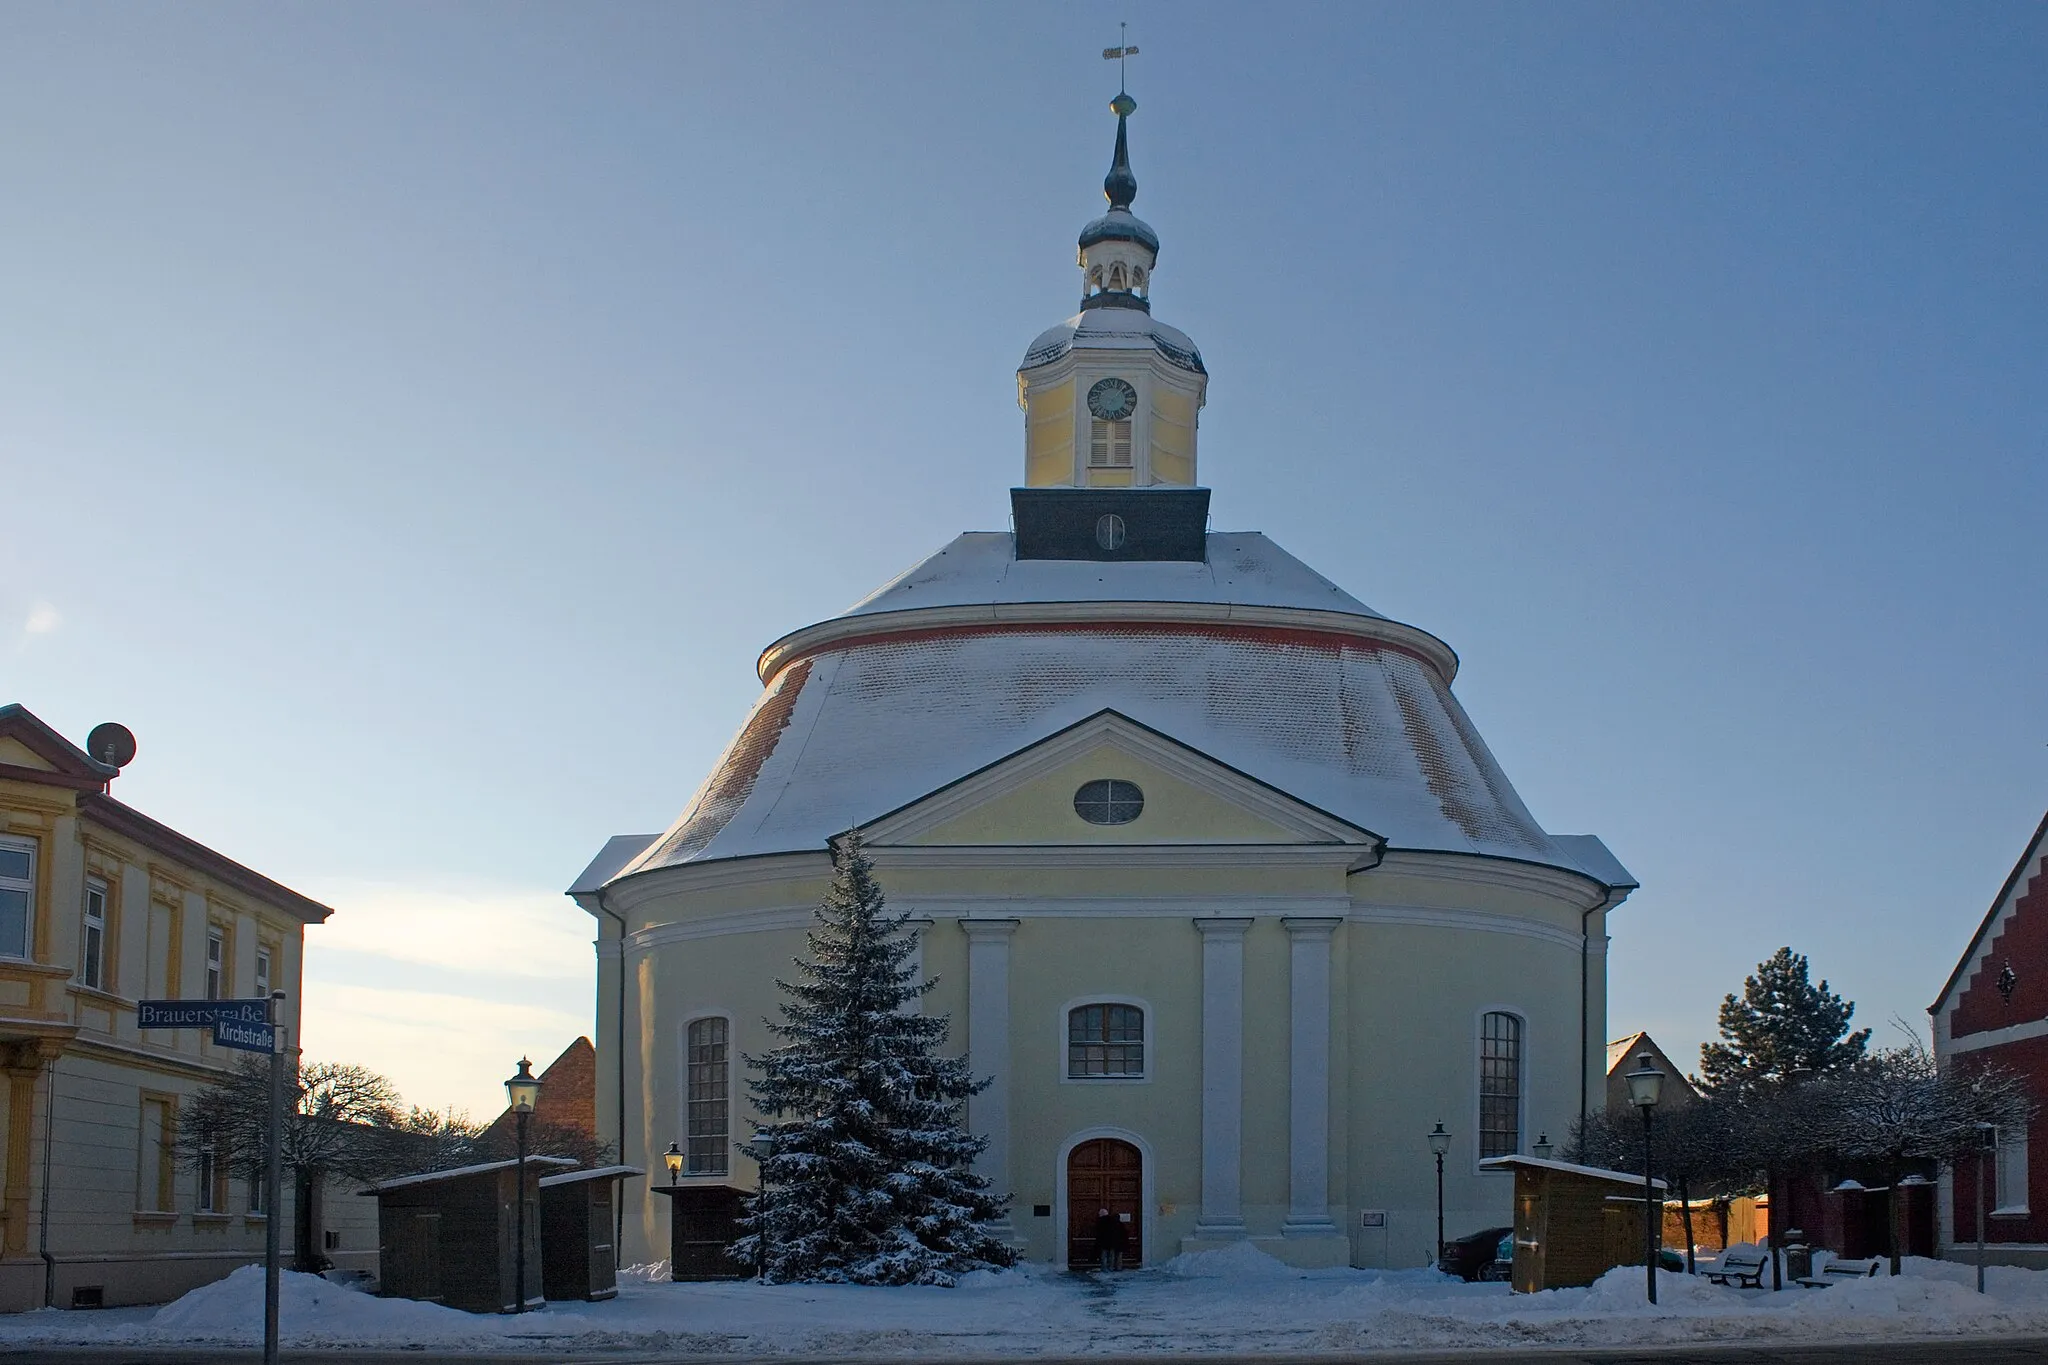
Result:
1233,1300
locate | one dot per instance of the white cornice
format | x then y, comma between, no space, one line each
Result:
842,630
1577,889
1945,1046
1238,910
630,893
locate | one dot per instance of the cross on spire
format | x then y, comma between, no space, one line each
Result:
1124,48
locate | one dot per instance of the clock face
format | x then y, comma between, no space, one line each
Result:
1113,400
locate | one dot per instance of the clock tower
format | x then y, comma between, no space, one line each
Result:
1111,396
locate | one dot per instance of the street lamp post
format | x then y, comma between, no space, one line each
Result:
1439,1144
1645,1088
1541,1148
1987,1151
524,1091
673,1159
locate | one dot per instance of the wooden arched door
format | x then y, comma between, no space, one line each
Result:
1105,1174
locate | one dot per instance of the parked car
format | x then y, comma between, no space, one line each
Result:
1501,1269
1471,1254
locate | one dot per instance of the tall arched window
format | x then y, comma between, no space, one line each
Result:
708,1122
1105,1042
1500,1085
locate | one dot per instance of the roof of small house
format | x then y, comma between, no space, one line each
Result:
549,1182
1509,1163
458,1172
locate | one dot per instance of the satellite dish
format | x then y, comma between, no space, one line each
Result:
111,743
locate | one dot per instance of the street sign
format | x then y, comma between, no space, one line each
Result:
247,1037
200,1013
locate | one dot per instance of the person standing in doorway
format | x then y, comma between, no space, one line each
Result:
1109,1240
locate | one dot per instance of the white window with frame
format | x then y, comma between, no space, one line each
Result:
2009,1169
707,1121
17,894
1500,1084
263,952
1106,1042
1109,444
216,963
92,942
256,1191
212,1183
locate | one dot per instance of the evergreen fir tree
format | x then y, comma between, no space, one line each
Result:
865,1163
1783,1023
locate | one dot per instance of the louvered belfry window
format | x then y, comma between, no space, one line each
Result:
1500,1085
1109,444
1105,1041
709,1137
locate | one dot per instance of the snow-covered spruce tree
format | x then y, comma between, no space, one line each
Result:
865,1176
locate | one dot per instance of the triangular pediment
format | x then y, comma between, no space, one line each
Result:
32,751
1188,798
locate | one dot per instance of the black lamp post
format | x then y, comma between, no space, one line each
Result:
673,1159
1541,1148
524,1091
1439,1144
1987,1152
1645,1088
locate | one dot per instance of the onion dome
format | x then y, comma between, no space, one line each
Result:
1120,187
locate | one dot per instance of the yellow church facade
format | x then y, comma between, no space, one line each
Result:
1220,886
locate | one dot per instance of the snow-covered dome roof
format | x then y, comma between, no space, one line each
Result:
1250,657
1243,568
1114,329
1119,225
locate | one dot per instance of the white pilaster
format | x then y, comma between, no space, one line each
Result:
1308,1079
1222,1077
916,927
988,1049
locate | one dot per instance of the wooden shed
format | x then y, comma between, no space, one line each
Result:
579,1254
449,1236
703,1222
1572,1223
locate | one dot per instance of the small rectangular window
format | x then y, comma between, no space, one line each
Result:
263,973
708,1121
1109,444
92,947
17,895
2011,1171
216,964
1106,1042
210,1181
257,1185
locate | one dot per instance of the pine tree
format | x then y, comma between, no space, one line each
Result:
865,1164
1783,1023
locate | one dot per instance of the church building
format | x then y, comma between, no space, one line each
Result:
1221,888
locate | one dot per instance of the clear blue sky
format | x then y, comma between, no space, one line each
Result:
413,420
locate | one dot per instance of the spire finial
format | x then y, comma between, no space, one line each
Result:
1120,186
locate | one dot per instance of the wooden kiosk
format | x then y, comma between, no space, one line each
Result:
448,1236
579,1254
1572,1223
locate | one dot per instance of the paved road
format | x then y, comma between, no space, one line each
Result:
2007,1352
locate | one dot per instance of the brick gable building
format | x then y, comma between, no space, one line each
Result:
1995,1007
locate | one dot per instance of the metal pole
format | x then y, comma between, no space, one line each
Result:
273,1182
1981,1154
1438,1259
519,1232
1653,1212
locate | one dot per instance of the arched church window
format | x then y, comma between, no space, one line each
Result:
708,1123
1500,1084
1105,1042
1116,276
1108,801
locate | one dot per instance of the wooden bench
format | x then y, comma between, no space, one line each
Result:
1744,1268
1840,1270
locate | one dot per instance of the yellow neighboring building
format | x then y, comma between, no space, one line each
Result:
101,906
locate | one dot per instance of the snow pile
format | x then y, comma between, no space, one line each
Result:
1622,1290
1239,1261
309,1310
